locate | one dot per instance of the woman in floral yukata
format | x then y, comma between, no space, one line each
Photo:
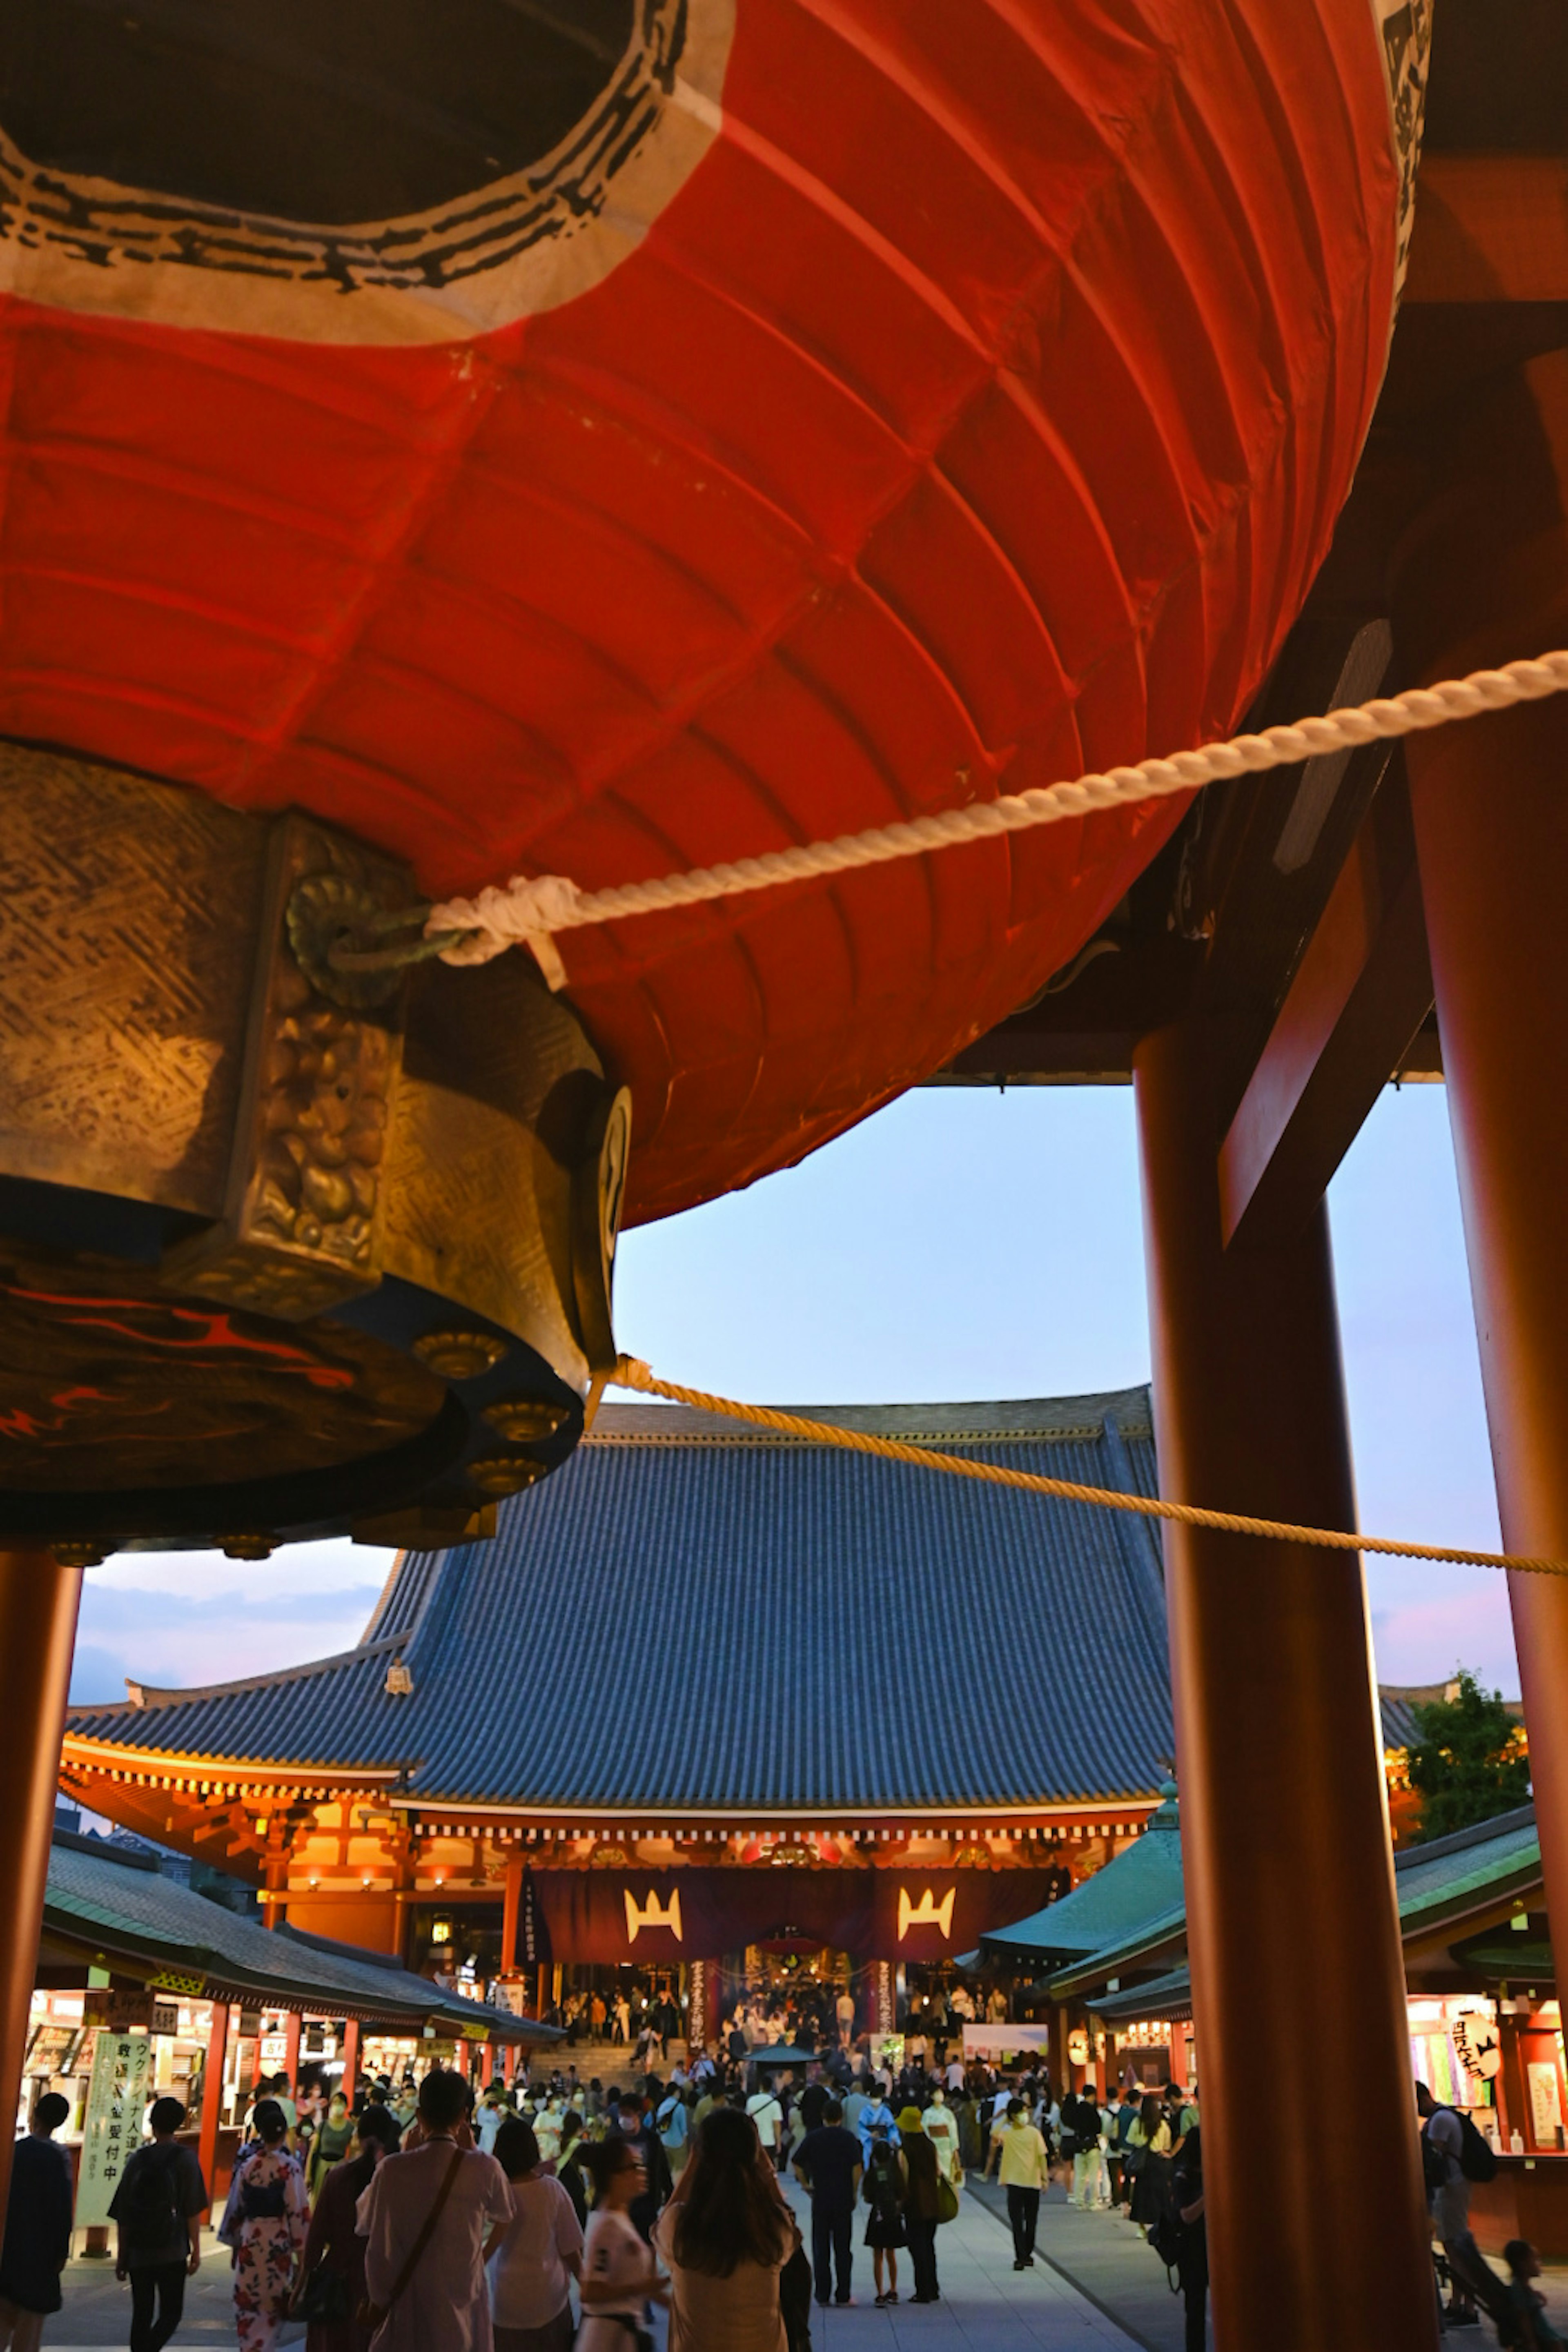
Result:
264,2223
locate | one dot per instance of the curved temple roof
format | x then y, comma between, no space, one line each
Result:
689,1615
119,1907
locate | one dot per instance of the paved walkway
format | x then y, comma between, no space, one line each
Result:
986,2305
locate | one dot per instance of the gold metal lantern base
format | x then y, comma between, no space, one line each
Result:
281,1252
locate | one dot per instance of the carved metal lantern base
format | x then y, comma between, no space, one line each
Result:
282,1252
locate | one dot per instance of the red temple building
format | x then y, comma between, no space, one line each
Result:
901,1710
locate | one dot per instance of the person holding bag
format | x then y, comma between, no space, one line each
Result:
332,2287
264,2227
923,2208
424,2217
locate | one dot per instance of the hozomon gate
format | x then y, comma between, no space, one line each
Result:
685,432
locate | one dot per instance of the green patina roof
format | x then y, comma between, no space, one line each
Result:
116,1902
1442,1881
1140,1885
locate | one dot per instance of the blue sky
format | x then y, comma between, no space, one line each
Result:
961,1243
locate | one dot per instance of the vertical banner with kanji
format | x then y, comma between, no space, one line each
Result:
111,2129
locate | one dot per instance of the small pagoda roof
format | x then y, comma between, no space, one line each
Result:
118,1907
1437,1885
1139,1889
842,1634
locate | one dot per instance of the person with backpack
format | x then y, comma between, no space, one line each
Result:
157,2209
1453,2154
673,2121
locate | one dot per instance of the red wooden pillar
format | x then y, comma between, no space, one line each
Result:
512,1905
1490,805
212,2096
1289,1878
1482,576
350,2059
38,1604
291,2049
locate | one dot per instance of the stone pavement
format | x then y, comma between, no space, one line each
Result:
98,2308
1097,2289
986,2306
985,2303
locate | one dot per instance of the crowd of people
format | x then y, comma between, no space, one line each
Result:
504,2202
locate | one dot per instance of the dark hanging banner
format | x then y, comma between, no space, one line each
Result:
533,1927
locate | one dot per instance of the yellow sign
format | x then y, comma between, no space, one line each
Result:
653,1915
172,1980
927,1913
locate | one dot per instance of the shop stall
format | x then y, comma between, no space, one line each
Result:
146,1990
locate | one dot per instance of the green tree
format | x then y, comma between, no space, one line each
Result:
1467,1760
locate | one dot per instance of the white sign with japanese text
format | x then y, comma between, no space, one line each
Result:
111,2129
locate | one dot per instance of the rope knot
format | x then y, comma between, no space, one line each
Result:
528,912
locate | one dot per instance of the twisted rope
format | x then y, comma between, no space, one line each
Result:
631,1373
532,909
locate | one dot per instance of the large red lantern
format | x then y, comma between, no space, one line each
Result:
605,438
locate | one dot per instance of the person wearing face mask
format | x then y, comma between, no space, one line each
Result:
942,2129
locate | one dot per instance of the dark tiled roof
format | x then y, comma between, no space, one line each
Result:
852,1632
1400,1701
124,1907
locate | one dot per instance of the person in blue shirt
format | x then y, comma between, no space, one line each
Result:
877,2114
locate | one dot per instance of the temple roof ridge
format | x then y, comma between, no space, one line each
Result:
142,1696
808,1564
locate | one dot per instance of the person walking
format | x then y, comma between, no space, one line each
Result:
673,2121
724,2238
569,2163
330,2143
630,2122
923,2208
940,2126
827,2166
620,2275
423,2217
37,2230
264,2228
1149,2147
883,2187
766,2110
331,2271
1021,2167
157,2209
533,2258
1089,2157
1193,2260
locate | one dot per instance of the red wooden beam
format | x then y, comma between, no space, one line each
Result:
1491,228
1361,992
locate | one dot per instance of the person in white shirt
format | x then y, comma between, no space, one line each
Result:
620,2276
954,2075
941,2127
533,2259
766,2111
443,2301
547,2123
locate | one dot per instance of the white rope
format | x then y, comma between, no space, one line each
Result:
531,910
